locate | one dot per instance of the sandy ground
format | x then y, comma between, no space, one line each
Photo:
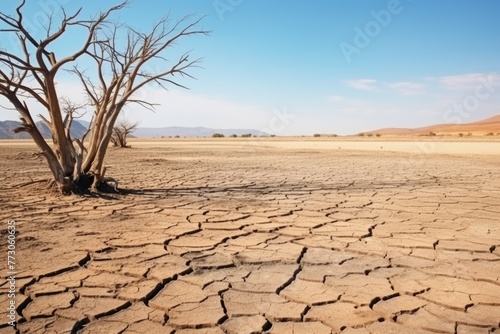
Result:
251,236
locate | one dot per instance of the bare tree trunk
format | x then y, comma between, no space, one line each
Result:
98,166
62,144
29,126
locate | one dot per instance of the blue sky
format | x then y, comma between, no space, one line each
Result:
297,67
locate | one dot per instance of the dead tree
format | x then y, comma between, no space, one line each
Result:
121,130
124,62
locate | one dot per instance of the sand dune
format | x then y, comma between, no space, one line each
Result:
483,127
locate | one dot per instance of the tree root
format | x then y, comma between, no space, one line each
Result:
27,183
82,186
106,181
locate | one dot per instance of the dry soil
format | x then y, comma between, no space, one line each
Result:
260,236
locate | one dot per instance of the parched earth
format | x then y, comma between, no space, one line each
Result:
239,238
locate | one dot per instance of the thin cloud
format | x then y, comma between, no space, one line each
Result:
408,88
336,98
185,108
351,106
363,84
467,81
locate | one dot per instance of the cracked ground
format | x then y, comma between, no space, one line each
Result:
225,237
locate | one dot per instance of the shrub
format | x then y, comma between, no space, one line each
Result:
361,134
370,135
490,134
177,136
233,136
246,135
461,134
432,134
378,135
316,135
217,135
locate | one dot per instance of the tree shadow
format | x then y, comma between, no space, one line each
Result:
283,188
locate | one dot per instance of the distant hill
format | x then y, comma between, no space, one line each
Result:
6,128
490,125
193,132
78,128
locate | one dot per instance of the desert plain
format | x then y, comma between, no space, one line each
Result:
273,235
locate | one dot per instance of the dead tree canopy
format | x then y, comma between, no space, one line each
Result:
123,62
121,130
